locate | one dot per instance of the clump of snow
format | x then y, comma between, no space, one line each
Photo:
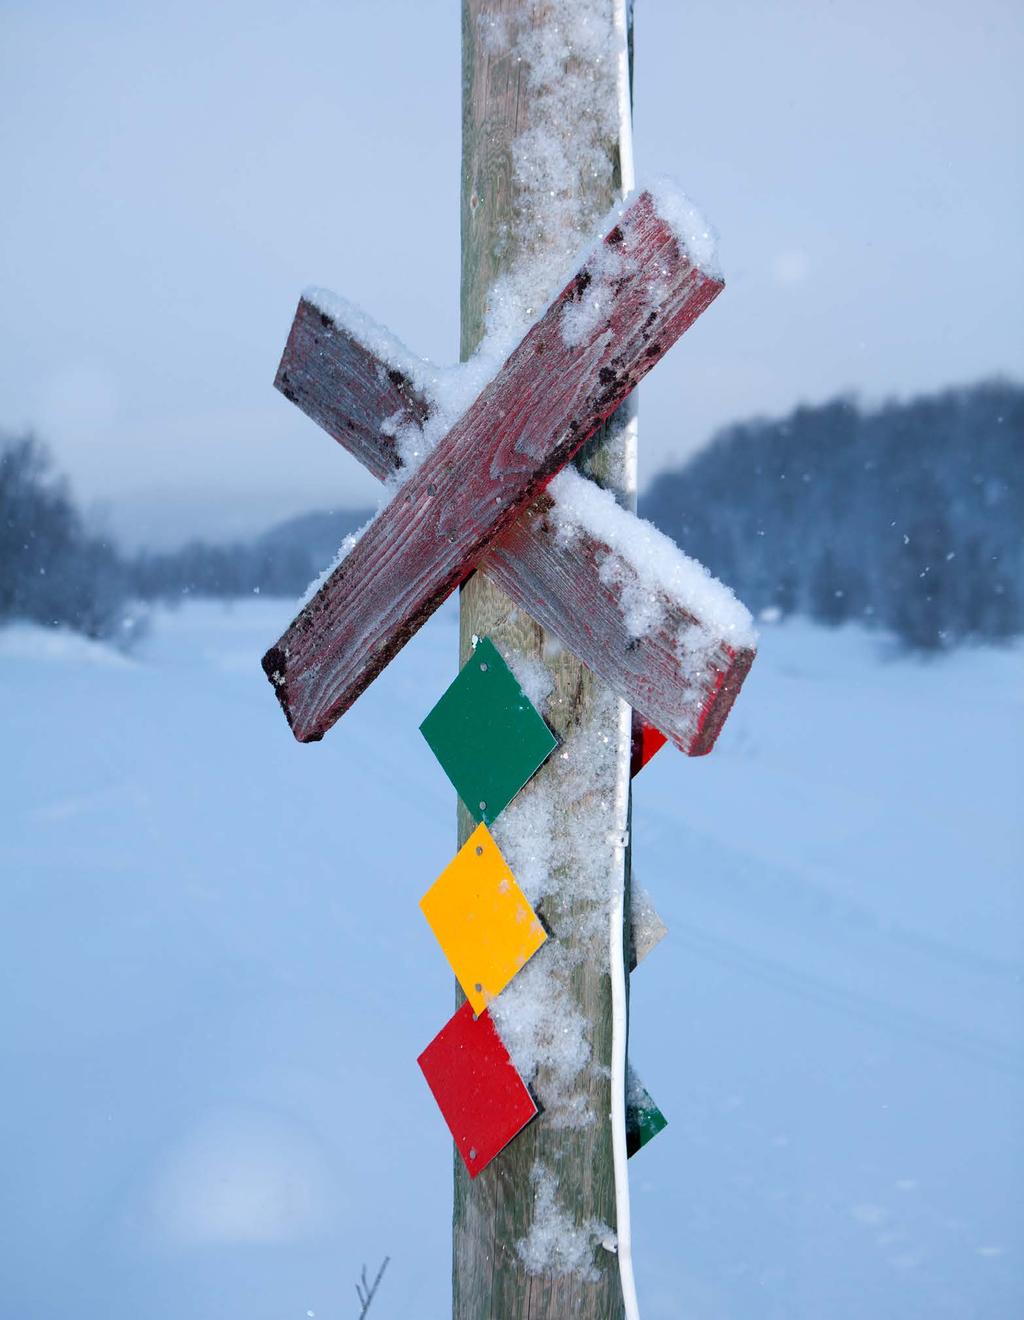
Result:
532,675
695,648
556,1245
374,336
636,1092
524,831
646,926
657,564
410,445
546,1035
686,221
582,316
495,30
642,607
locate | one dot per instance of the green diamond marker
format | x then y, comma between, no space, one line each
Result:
487,734
644,1119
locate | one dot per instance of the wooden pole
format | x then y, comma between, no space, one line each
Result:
569,1146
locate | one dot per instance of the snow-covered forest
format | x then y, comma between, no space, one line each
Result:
908,517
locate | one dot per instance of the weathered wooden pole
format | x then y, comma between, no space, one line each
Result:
543,101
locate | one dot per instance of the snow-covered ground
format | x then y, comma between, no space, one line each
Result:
217,980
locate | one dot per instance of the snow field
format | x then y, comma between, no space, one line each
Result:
217,980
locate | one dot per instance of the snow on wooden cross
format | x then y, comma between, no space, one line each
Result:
661,633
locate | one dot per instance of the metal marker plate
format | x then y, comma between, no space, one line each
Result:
482,919
483,1099
487,734
644,1119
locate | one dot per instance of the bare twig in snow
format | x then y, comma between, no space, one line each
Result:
366,1291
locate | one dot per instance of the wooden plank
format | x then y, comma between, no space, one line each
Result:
346,388
546,401
688,704
339,382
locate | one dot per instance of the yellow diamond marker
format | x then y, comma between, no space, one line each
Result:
482,919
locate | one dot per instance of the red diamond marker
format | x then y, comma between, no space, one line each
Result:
483,1099
647,740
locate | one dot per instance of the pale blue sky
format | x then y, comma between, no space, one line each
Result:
175,174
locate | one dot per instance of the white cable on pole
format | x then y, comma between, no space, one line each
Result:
622,17
626,417
617,964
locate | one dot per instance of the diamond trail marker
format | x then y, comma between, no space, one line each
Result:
647,742
644,1120
487,735
483,1099
482,919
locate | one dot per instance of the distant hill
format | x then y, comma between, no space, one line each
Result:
909,516
317,535
280,562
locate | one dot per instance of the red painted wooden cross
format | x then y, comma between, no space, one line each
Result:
478,499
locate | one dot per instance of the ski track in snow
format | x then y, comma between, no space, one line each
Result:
217,980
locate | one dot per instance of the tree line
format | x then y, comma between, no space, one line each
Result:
906,517
55,570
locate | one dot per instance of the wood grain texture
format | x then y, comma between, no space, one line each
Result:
576,594
343,385
570,596
544,403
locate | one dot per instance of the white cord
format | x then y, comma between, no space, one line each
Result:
621,20
617,963
616,923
